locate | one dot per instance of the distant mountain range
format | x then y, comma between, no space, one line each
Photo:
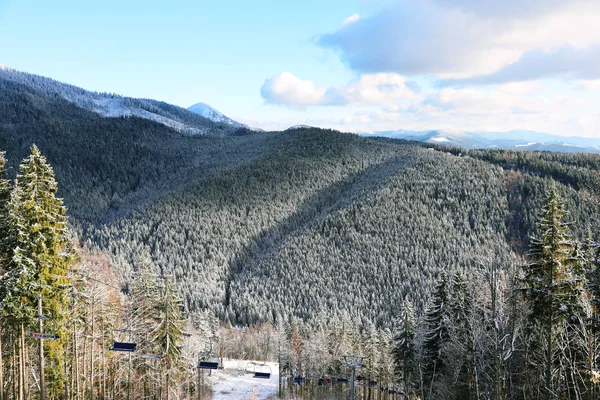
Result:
201,119
515,139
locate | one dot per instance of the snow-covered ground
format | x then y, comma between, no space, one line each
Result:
233,383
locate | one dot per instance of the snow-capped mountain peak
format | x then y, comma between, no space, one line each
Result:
208,112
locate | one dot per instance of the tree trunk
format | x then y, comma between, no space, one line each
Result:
1,369
92,355
76,361
22,364
548,377
41,352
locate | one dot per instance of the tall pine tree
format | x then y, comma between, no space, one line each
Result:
554,282
404,351
41,256
436,335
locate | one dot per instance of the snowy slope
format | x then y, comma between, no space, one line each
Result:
207,111
111,105
516,139
233,383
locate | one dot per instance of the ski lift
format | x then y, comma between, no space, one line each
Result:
298,380
260,370
372,383
40,335
342,380
324,381
126,347
211,361
360,378
150,356
208,365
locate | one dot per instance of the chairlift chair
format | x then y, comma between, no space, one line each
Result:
323,381
210,361
150,356
126,347
251,367
40,335
261,370
208,365
342,380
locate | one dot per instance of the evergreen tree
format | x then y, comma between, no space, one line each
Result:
554,284
4,217
436,334
462,337
169,335
404,349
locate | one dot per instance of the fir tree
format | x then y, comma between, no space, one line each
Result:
4,218
169,334
436,334
554,283
462,336
404,351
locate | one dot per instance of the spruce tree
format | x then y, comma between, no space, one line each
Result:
4,217
436,334
404,351
42,254
462,336
554,283
169,334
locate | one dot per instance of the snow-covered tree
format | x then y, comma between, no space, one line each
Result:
554,284
436,334
405,354
168,335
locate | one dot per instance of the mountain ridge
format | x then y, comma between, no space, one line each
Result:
112,105
294,224
513,139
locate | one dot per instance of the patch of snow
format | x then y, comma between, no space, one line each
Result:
208,112
451,132
113,107
299,127
440,139
5,68
525,145
233,383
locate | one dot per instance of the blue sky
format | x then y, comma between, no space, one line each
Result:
352,65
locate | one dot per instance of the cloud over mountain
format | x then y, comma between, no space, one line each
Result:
467,38
368,89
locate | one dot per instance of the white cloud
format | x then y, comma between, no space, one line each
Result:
372,89
351,19
468,38
388,90
593,84
501,108
287,89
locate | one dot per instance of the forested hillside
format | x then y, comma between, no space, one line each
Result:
270,225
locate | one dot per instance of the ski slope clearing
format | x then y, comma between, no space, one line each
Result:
233,383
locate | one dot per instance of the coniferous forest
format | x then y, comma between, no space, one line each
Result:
458,274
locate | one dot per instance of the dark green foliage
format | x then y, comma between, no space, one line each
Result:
436,323
554,284
404,351
292,223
